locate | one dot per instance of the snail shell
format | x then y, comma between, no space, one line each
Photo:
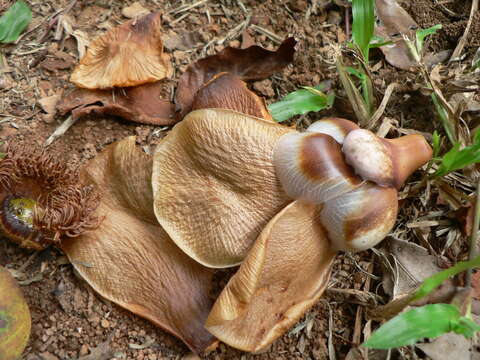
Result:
352,175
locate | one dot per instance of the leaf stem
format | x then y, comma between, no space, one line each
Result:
474,237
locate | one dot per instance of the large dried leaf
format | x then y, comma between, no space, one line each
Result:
284,274
253,63
142,104
130,260
215,186
395,21
128,55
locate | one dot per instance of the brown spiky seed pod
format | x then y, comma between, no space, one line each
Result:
42,198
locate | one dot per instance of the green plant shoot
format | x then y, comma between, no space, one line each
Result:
301,102
456,159
436,280
14,21
421,34
429,321
436,143
426,321
363,13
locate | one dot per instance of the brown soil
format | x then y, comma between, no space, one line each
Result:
69,319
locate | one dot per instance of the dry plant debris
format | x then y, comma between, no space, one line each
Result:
252,63
142,104
130,260
128,55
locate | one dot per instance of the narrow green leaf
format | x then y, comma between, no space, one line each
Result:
456,159
14,21
301,102
465,326
363,13
437,143
427,321
423,33
378,41
434,281
476,60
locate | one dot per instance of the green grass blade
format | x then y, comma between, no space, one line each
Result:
301,102
14,21
363,13
456,159
476,60
434,281
423,33
444,118
427,321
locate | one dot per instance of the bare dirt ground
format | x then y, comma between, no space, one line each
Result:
69,319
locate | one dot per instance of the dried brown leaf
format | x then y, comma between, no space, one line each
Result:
253,63
142,104
128,55
276,283
202,197
134,10
132,261
395,21
226,91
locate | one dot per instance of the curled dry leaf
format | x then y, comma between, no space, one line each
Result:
284,274
15,322
42,199
227,91
127,55
142,104
253,63
133,261
135,10
215,186
395,21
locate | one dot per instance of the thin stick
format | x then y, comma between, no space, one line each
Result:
272,36
59,131
461,44
474,237
378,114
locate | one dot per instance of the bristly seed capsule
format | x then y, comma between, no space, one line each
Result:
43,199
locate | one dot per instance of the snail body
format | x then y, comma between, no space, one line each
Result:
15,322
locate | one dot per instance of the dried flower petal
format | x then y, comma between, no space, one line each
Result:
227,91
131,260
127,55
284,274
214,184
253,63
142,104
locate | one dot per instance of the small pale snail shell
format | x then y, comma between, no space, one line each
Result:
355,185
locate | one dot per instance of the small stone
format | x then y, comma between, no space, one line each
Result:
191,356
134,10
105,324
264,87
83,350
48,356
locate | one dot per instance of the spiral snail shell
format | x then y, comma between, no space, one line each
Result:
352,174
